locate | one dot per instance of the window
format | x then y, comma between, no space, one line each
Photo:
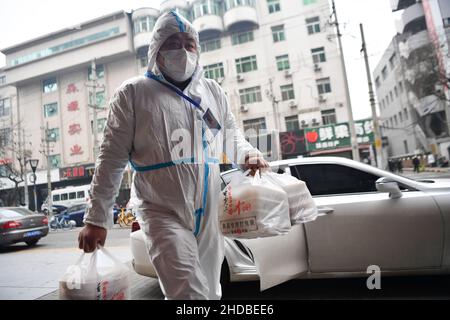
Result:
287,92
99,70
250,95
242,37
80,194
64,196
396,91
318,55
387,99
143,62
246,64
2,80
400,115
384,73
100,101
323,85
292,123
273,5
5,107
255,124
230,4
53,134
405,144
5,137
446,22
214,71
206,7
55,161
50,110
210,45
101,124
405,112
395,120
327,179
56,197
144,24
49,85
377,82
75,43
283,62
400,85
313,25
392,96
72,195
328,116
392,61
278,33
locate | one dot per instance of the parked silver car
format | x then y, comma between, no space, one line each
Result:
370,217
19,224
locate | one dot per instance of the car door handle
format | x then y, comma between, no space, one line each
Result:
325,210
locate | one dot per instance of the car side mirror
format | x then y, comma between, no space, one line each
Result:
387,185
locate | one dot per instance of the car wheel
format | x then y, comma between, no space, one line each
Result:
32,243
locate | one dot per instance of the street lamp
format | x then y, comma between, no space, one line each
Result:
33,165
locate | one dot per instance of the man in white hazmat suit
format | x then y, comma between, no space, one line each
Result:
172,126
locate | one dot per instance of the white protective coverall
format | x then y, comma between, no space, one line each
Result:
178,193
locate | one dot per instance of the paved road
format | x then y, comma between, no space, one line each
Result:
29,273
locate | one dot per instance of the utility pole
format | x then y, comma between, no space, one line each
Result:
270,94
376,125
93,104
351,122
46,152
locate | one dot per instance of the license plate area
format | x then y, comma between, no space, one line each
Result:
32,234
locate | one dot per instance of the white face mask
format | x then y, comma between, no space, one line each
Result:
179,64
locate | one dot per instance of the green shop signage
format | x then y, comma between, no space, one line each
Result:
338,135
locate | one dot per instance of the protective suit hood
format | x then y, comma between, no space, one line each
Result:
167,25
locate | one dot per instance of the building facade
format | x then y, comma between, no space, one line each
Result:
277,60
412,81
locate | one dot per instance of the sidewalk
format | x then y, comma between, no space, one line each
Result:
430,169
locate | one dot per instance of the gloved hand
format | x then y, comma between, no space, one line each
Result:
90,237
254,163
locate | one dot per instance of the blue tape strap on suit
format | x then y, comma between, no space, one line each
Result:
150,75
161,165
180,23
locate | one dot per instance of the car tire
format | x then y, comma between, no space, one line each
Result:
32,243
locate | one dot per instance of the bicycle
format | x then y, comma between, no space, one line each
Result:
62,221
125,219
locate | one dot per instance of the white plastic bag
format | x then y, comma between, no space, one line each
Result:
99,279
253,207
302,207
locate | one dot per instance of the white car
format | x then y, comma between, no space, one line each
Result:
371,217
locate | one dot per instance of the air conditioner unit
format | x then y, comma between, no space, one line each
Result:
292,104
244,108
314,122
240,78
317,68
322,98
287,73
304,124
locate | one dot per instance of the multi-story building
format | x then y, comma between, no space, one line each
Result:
412,81
277,60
